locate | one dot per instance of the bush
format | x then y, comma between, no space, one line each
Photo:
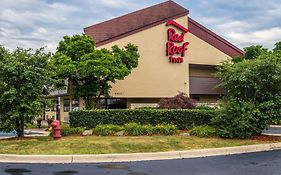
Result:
105,130
205,107
67,131
167,129
240,119
203,131
180,101
182,118
135,129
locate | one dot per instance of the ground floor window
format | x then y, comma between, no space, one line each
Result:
113,103
75,104
66,105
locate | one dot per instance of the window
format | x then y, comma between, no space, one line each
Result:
75,104
102,104
54,105
66,105
112,103
116,104
196,98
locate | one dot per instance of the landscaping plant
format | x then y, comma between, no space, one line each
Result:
135,129
203,131
253,93
182,118
180,101
24,82
90,71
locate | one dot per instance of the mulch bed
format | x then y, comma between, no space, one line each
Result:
265,138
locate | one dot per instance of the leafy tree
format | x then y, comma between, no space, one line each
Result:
90,71
23,83
252,52
180,101
253,95
277,47
252,80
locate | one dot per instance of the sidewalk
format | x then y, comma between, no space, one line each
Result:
31,133
274,130
110,158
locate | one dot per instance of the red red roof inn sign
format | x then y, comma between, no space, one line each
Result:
174,39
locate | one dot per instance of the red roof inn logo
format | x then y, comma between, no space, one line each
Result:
173,38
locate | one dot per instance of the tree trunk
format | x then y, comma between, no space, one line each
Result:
20,127
89,103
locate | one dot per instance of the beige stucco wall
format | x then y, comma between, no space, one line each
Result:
155,76
200,52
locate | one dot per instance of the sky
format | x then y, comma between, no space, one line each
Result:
43,23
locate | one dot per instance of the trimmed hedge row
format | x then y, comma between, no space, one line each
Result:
182,118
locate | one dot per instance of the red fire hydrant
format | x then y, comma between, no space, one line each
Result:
56,128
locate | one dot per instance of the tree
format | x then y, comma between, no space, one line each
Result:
277,47
253,95
252,80
23,83
90,71
252,52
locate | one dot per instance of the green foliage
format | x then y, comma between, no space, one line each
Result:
90,71
180,101
203,131
253,52
166,129
135,129
24,78
67,131
277,47
205,107
256,80
253,90
183,118
240,119
105,130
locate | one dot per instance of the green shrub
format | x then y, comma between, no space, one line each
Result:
182,118
105,130
240,119
135,129
203,131
167,129
205,107
67,131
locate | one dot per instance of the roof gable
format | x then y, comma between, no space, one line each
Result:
131,23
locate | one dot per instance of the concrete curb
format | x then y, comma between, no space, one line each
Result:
275,126
110,158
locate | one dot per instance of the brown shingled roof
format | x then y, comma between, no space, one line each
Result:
131,23
126,25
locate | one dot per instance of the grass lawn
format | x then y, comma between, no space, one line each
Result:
110,144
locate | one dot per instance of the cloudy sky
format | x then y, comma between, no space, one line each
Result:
38,23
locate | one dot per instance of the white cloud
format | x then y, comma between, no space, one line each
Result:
267,37
38,23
